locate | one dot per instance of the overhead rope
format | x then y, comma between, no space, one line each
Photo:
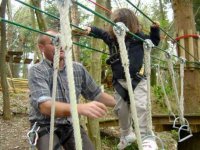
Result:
46,13
66,44
120,32
38,31
106,19
161,29
102,7
79,44
55,17
112,23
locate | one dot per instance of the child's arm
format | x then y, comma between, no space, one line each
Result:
98,33
155,33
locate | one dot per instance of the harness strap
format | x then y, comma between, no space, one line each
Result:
124,92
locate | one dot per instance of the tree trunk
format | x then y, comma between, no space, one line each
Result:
40,19
184,20
3,68
36,50
75,21
93,125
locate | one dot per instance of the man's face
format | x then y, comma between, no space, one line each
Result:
49,49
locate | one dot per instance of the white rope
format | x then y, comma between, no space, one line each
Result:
120,32
55,74
182,63
147,58
171,71
66,43
167,103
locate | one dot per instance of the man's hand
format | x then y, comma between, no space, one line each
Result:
92,109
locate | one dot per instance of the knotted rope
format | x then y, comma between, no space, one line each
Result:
171,71
182,63
147,58
55,75
167,103
66,43
120,32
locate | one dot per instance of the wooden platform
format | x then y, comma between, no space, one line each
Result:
162,123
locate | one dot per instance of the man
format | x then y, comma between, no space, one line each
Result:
40,84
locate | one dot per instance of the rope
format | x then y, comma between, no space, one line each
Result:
66,43
102,7
120,34
147,51
161,29
182,63
55,75
167,103
171,71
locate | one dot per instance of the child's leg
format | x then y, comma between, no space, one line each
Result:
140,95
122,110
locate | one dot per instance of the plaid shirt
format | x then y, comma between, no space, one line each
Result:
40,81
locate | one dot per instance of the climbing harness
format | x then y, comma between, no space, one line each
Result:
147,59
120,32
183,122
32,135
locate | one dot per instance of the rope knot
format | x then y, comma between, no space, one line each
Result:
148,45
120,29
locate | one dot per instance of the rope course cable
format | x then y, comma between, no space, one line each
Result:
112,23
38,31
102,7
160,28
97,15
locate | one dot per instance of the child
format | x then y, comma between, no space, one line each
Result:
135,50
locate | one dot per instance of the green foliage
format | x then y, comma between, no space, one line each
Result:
158,92
174,134
196,9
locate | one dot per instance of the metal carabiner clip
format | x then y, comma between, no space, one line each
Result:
33,134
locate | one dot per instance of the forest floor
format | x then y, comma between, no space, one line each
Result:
13,132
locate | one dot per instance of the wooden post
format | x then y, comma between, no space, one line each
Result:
182,43
198,47
191,50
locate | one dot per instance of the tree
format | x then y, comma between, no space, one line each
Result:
40,19
196,6
95,71
75,21
184,21
3,68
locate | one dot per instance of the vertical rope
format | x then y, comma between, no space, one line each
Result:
120,32
147,58
167,103
66,43
171,71
182,63
55,74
